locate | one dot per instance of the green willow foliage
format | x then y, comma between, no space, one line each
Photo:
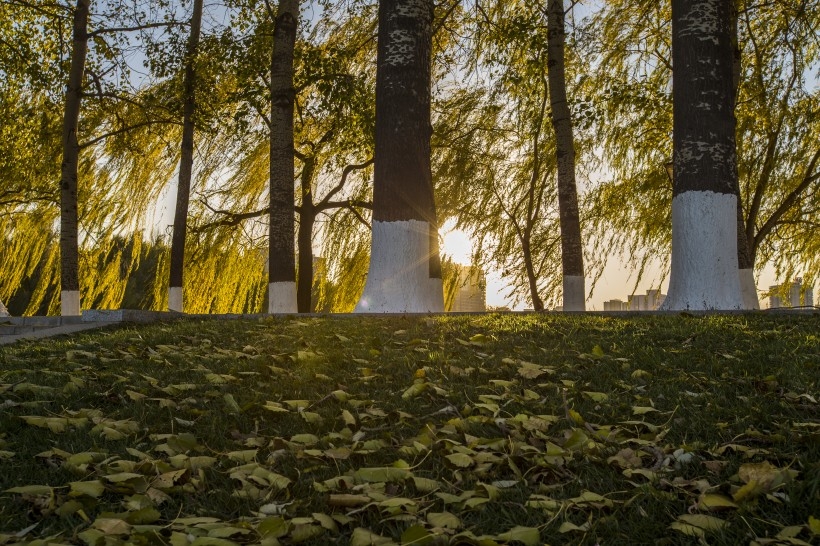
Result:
778,130
493,148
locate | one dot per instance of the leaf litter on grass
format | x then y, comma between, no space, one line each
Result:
461,430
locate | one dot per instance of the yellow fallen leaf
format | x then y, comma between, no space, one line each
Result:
714,501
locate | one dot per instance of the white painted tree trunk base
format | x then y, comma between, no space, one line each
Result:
3,311
175,299
398,280
704,274
748,288
282,298
70,303
574,293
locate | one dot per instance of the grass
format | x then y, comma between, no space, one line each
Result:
463,430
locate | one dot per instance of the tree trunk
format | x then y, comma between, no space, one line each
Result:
572,250
3,311
69,225
282,263
304,238
745,259
405,269
537,303
175,300
704,273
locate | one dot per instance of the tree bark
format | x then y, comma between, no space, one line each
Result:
177,266
572,251
745,259
537,303
405,269
69,224
282,263
304,238
704,273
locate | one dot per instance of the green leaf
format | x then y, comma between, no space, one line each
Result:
381,474
597,396
814,525
31,490
445,520
461,460
365,537
416,534
273,527
530,536
93,488
230,403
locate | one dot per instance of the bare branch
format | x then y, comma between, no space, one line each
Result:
345,173
112,30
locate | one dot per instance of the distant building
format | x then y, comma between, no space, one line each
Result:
470,290
799,295
650,301
615,305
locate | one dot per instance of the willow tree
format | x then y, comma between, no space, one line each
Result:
572,250
704,268
405,270
69,242
777,134
282,265
186,162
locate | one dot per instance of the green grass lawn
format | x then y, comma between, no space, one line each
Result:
496,429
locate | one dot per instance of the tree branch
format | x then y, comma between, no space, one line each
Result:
338,187
122,130
135,28
789,200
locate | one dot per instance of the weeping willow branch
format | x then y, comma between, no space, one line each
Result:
100,138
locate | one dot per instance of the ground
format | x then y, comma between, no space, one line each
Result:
478,429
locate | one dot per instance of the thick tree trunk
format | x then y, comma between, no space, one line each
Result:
405,271
572,250
282,264
69,225
745,259
175,300
704,272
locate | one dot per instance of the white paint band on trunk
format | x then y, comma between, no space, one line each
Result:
574,293
175,299
748,288
282,298
704,274
398,280
70,303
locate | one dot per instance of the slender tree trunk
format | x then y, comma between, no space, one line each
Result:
405,270
704,272
175,300
282,265
69,225
745,259
304,238
537,303
3,311
572,250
